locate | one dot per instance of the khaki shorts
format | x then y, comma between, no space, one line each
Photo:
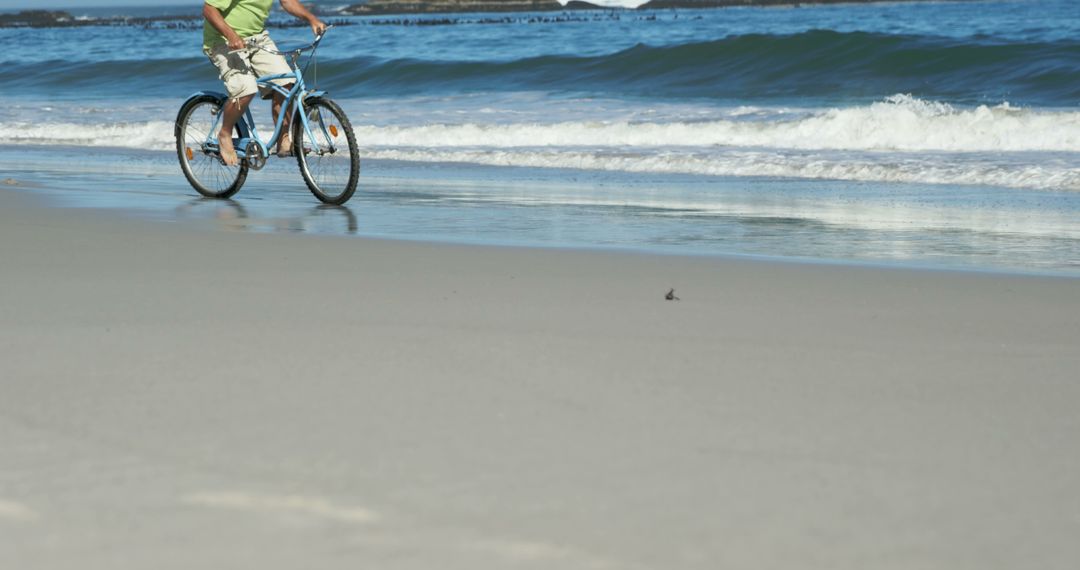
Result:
240,69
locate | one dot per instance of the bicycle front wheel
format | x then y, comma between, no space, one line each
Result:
328,155
199,118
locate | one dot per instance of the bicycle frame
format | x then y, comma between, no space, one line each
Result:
246,126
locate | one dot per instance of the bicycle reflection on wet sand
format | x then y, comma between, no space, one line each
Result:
232,215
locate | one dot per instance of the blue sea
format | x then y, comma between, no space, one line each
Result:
939,134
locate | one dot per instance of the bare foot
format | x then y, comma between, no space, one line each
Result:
228,153
285,146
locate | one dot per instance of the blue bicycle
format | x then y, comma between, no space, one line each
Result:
322,137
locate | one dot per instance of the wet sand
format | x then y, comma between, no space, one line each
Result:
179,398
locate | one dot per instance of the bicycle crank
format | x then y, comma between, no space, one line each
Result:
255,155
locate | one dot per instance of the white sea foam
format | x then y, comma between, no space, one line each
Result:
901,139
921,171
899,124
151,135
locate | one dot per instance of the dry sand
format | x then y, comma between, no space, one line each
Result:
174,398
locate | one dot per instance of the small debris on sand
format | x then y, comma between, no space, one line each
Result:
671,296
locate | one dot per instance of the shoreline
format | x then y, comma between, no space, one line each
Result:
798,220
33,192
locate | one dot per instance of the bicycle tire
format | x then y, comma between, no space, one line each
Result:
329,187
206,173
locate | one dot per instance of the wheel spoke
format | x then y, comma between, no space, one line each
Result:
205,172
329,167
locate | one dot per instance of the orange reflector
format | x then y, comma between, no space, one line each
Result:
190,155
333,130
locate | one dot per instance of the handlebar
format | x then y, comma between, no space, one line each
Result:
250,44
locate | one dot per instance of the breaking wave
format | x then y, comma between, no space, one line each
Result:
901,123
901,139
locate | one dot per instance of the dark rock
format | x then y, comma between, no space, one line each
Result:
691,4
451,6
580,5
35,19
191,21
377,7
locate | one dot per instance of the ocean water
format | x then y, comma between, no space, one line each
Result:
930,133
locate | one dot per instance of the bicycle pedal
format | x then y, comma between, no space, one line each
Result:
254,155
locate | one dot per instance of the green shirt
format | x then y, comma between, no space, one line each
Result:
246,17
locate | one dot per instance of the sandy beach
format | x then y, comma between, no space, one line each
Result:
174,397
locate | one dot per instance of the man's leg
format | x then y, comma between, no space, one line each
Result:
265,63
285,144
239,78
234,109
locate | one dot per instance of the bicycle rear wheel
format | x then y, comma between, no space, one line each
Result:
328,156
198,119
